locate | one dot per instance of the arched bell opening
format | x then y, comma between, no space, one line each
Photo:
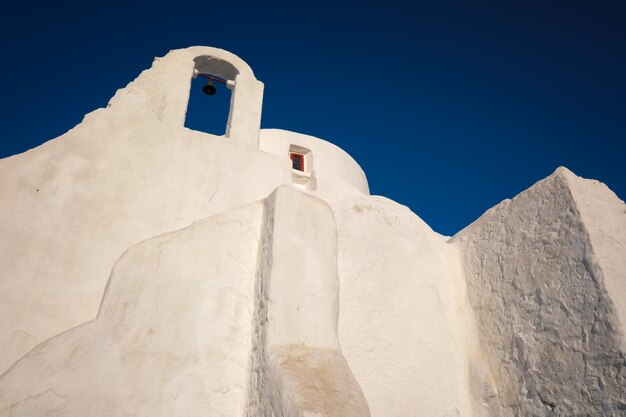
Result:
211,95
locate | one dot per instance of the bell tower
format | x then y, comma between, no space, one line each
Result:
163,91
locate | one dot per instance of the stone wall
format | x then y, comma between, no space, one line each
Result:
546,319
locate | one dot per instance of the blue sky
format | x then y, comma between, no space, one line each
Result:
449,107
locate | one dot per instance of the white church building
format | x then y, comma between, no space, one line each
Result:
142,275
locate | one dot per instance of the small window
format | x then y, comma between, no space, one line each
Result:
297,161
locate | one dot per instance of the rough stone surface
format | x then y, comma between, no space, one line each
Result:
604,217
540,296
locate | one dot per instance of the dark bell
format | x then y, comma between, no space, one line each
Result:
209,90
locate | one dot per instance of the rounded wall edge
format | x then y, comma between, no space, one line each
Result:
330,161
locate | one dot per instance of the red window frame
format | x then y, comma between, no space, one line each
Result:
293,156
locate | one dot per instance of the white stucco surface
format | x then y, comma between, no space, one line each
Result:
338,176
209,320
150,270
172,336
71,206
398,322
163,91
301,369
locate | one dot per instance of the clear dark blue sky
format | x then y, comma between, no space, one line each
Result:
449,107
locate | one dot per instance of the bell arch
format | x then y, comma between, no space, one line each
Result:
244,117
210,97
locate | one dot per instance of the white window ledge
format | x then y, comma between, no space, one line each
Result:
300,174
